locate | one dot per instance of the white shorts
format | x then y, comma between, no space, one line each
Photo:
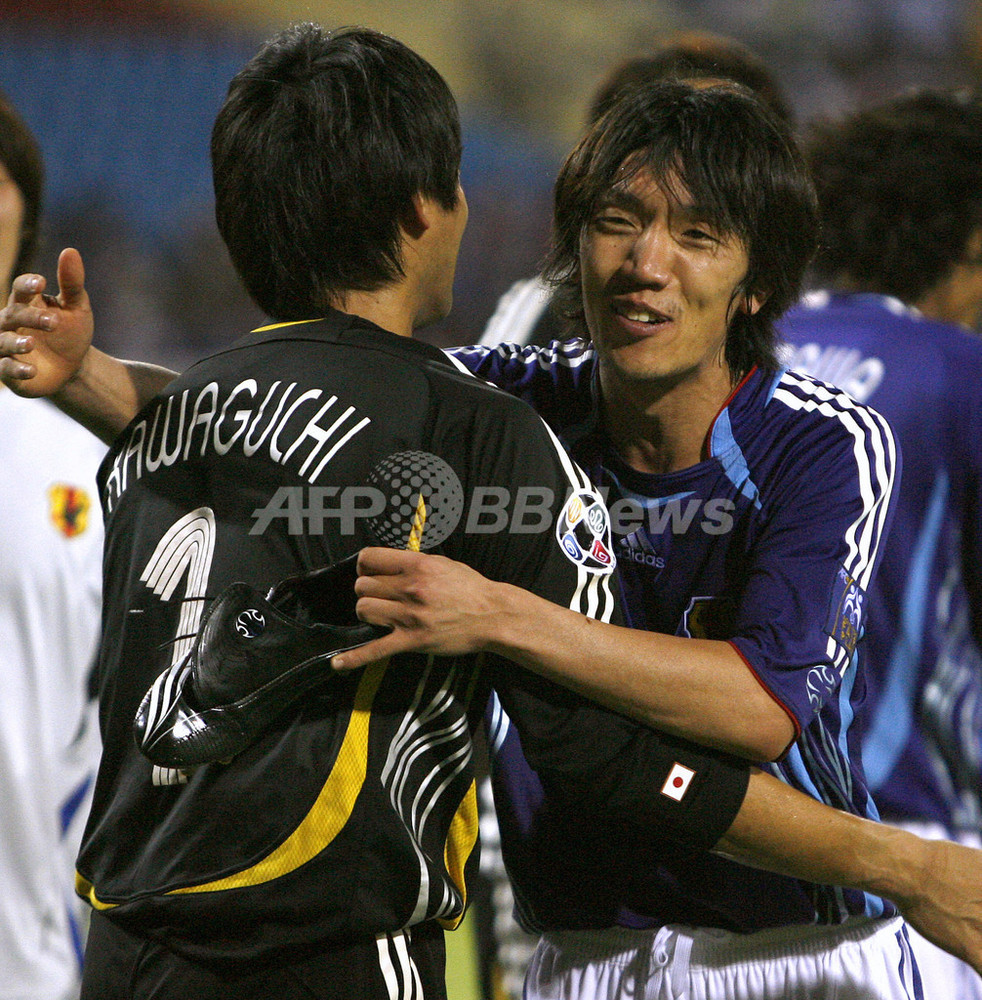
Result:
854,961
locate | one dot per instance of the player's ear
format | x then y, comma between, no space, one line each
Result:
751,302
417,218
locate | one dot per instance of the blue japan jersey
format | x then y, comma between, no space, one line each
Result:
769,543
923,747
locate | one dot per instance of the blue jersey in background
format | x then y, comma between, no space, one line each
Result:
923,748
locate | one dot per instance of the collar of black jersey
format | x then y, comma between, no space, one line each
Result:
340,327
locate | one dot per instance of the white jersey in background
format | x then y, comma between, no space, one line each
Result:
50,600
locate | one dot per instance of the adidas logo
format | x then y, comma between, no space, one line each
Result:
636,547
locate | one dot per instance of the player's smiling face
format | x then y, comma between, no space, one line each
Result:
659,282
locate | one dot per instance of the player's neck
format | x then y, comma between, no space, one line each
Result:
957,299
662,431
387,307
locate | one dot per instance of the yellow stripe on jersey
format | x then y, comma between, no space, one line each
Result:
419,525
464,827
291,322
461,838
333,805
85,889
326,817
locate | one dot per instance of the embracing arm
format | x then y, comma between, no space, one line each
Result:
687,687
46,350
817,550
936,884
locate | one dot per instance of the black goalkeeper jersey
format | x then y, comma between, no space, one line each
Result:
355,812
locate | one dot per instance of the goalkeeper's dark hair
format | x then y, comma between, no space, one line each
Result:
321,144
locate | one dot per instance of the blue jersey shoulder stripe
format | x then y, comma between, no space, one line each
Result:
875,452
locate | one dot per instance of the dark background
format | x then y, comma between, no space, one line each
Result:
122,96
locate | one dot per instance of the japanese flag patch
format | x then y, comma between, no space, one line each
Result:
678,781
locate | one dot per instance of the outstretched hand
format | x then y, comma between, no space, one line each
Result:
44,338
433,604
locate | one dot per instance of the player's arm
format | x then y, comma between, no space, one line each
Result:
600,772
46,350
936,884
695,688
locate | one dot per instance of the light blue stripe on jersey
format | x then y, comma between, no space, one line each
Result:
874,905
794,762
775,382
724,447
890,727
848,713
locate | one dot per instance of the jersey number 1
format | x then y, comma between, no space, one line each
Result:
185,552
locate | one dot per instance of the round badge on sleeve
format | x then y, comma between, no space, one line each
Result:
583,532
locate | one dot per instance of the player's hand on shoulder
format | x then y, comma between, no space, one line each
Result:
433,604
44,338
